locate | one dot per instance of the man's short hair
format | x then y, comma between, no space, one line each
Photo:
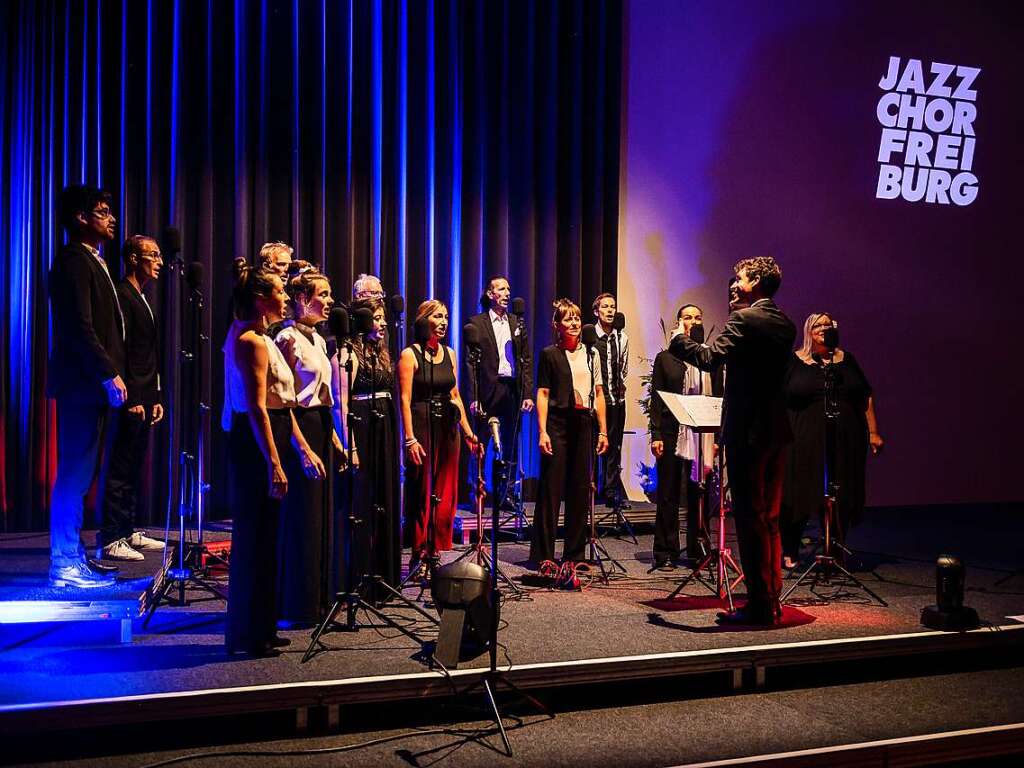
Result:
766,269
79,198
361,280
601,297
679,314
270,250
485,300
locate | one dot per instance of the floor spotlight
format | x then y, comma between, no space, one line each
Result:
949,612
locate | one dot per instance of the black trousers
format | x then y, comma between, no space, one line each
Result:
564,476
252,583
756,476
672,473
611,462
81,431
123,475
504,404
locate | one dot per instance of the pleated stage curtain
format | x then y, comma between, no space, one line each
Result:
431,142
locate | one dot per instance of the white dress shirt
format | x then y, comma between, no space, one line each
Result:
503,336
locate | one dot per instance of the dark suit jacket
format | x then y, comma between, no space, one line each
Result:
667,375
755,345
489,359
140,366
88,342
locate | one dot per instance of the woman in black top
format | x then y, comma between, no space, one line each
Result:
432,414
856,430
569,393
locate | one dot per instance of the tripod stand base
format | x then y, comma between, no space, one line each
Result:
822,571
720,561
489,681
621,524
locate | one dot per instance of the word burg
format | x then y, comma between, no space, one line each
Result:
927,147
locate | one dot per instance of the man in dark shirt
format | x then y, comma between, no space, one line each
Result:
84,374
755,344
142,261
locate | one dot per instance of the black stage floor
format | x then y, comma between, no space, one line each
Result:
625,629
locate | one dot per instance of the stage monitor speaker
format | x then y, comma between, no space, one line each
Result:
461,592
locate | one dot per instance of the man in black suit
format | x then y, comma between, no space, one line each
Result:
755,345
506,370
142,261
84,373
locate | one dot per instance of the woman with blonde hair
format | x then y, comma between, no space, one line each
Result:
432,415
856,431
570,395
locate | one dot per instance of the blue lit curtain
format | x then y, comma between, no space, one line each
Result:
432,142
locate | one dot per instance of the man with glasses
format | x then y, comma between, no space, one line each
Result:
84,374
142,260
367,287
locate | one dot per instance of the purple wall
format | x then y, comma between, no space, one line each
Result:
752,129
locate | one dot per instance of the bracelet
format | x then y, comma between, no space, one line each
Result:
353,450
410,441
602,434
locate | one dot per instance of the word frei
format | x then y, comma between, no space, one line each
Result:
927,147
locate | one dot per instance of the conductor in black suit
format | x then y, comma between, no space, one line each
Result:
84,373
142,260
506,368
756,344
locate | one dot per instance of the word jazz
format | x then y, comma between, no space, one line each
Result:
929,121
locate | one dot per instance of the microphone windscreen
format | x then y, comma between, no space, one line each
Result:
337,321
172,241
619,323
518,306
832,337
397,305
589,335
471,335
697,333
194,275
362,320
421,330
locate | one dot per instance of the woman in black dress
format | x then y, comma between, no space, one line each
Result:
565,381
856,430
259,400
368,414
305,511
432,415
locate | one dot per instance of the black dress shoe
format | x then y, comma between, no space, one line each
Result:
664,564
279,642
753,615
97,567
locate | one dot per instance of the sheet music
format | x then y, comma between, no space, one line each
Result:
698,412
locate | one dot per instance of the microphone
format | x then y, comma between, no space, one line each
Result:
363,318
421,330
495,426
397,305
194,275
832,338
518,306
697,332
619,323
172,241
589,335
337,321
471,335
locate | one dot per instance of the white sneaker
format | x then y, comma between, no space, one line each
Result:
139,540
120,550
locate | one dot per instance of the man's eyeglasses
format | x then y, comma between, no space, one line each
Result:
103,213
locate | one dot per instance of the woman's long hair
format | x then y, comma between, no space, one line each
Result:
380,346
804,353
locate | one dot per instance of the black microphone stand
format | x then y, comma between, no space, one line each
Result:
513,467
598,553
354,597
190,572
479,549
826,565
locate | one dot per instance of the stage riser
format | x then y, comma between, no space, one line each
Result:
743,666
